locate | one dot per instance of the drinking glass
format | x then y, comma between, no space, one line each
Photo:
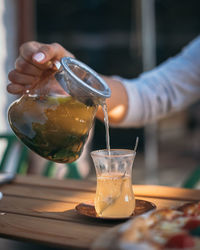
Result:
114,194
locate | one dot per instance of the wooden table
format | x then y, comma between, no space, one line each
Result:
39,209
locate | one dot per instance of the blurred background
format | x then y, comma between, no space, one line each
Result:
121,38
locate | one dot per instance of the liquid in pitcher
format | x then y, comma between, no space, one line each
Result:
114,196
55,127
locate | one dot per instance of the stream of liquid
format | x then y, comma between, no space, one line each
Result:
106,122
114,195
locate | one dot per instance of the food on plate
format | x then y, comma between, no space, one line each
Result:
167,228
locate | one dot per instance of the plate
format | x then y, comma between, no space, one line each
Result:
88,209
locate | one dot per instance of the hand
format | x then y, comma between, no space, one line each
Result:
34,61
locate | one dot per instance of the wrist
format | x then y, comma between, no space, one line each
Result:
117,104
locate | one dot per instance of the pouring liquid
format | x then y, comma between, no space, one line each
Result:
114,195
106,123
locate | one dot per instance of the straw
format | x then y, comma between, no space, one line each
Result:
136,144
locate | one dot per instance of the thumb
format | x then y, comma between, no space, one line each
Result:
49,55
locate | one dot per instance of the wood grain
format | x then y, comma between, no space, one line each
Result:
167,192
62,211
139,190
39,209
51,232
47,193
35,180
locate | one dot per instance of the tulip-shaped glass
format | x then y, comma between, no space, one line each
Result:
114,194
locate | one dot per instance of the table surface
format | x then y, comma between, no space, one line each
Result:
39,209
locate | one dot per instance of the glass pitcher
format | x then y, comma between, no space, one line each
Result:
54,118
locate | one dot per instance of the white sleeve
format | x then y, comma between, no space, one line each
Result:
168,88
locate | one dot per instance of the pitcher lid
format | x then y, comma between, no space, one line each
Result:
79,76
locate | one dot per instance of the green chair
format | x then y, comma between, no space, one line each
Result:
21,159
193,180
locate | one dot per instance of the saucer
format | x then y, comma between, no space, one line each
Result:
88,210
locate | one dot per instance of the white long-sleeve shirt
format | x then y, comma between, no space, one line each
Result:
170,87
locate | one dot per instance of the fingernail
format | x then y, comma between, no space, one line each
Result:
57,65
38,57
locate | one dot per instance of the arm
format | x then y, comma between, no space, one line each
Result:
33,63
118,103
170,87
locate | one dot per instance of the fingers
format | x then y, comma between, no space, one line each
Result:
43,56
20,82
28,49
27,68
50,52
34,62
27,52
15,88
19,78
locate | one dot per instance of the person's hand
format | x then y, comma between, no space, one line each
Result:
34,61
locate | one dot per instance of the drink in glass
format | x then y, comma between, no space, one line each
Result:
114,195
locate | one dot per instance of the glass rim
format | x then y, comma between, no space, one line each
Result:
125,152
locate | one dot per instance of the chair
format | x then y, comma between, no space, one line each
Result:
193,180
20,158
13,147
